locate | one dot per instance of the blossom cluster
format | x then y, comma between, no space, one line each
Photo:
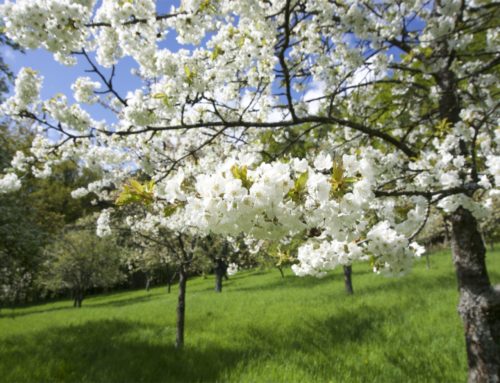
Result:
9,183
213,122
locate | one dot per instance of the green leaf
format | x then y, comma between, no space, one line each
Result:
217,52
240,173
172,208
163,97
135,192
298,191
443,128
190,75
136,186
121,3
207,5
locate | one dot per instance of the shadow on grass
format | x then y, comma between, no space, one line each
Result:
86,303
127,351
109,351
147,297
290,281
122,351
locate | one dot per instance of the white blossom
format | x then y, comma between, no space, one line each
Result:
9,183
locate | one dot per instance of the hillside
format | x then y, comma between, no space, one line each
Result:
261,328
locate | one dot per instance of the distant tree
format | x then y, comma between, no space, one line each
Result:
80,261
30,218
218,250
490,226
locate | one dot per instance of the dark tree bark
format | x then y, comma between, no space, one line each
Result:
348,280
427,260
220,270
169,283
181,308
479,305
281,271
78,298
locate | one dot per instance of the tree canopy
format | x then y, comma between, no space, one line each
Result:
407,92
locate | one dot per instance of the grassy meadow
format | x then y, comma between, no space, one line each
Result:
261,328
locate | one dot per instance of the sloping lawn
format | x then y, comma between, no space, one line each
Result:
262,328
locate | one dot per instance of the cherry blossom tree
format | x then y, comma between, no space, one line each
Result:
398,98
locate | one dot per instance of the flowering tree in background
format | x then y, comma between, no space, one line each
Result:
407,91
80,261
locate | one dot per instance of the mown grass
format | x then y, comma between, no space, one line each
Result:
260,329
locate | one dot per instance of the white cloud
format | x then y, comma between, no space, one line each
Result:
316,90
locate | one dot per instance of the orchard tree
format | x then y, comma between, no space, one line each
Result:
226,255
218,252
147,226
146,259
80,261
407,89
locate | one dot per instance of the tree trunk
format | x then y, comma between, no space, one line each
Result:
348,280
80,299
181,308
479,305
220,271
148,282
169,283
427,260
281,271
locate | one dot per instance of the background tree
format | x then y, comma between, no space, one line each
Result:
31,218
80,261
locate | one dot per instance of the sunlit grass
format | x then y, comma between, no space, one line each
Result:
262,328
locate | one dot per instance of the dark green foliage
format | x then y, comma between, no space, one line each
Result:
30,217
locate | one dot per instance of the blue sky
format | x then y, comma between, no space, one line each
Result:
58,78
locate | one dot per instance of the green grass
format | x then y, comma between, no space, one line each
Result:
260,329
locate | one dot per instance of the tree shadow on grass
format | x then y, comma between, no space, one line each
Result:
121,351
86,303
290,281
13,313
127,351
147,297
109,351
345,326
